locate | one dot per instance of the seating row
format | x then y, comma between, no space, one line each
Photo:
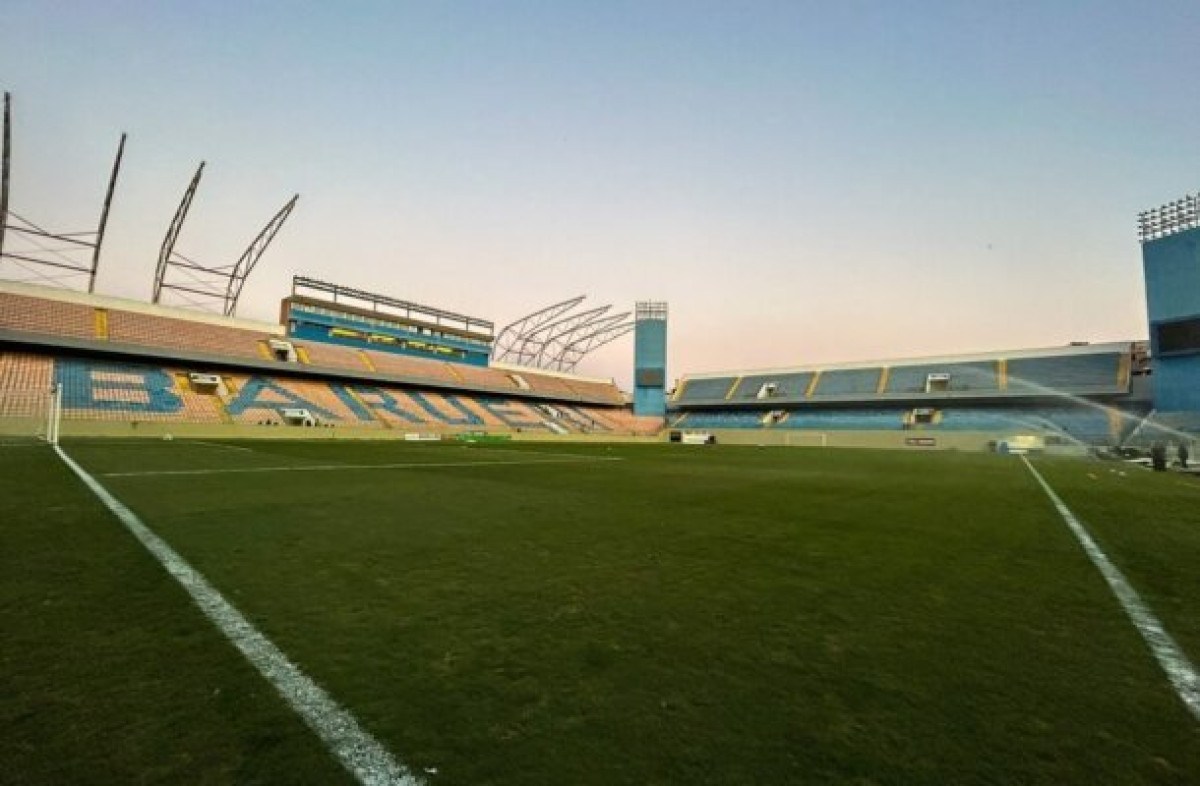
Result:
46,316
105,390
1053,375
1090,424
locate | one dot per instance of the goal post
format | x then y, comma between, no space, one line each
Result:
31,415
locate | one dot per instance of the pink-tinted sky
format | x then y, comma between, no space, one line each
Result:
803,182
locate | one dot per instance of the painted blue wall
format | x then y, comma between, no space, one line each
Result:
1172,270
312,326
650,354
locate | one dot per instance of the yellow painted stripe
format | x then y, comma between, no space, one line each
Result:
884,373
732,388
812,384
222,410
1002,374
264,350
454,371
302,355
100,322
366,359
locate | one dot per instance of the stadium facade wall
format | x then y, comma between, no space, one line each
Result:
1171,266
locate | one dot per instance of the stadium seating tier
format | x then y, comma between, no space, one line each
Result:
96,389
106,326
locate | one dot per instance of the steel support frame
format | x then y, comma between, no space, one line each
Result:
200,285
557,337
511,340
40,257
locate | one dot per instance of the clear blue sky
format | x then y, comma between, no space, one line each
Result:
803,182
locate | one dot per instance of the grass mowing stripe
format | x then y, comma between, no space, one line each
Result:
1174,661
354,747
334,467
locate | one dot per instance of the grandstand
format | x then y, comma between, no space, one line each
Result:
125,366
1092,394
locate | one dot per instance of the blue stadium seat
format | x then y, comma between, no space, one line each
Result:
964,377
707,389
786,385
1069,374
1084,424
848,382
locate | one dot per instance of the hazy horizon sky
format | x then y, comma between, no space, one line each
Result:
802,182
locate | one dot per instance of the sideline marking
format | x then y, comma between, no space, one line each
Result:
1173,660
335,467
355,747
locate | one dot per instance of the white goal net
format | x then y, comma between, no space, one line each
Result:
30,415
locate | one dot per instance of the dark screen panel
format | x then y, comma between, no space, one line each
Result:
650,377
1183,336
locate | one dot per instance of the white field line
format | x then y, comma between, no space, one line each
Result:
354,747
143,442
345,467
1173,660
217,445
555,454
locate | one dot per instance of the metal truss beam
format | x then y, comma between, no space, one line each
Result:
167,250
511,340
539,339
567,345
35,255
5,164
206,286
249,258
574,352
557,337
560,332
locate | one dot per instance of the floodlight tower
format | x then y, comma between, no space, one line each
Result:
1170,237
650,359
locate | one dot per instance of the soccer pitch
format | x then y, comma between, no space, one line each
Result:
590,614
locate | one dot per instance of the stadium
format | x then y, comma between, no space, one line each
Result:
379,541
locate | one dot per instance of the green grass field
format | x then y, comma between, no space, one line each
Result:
646,614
